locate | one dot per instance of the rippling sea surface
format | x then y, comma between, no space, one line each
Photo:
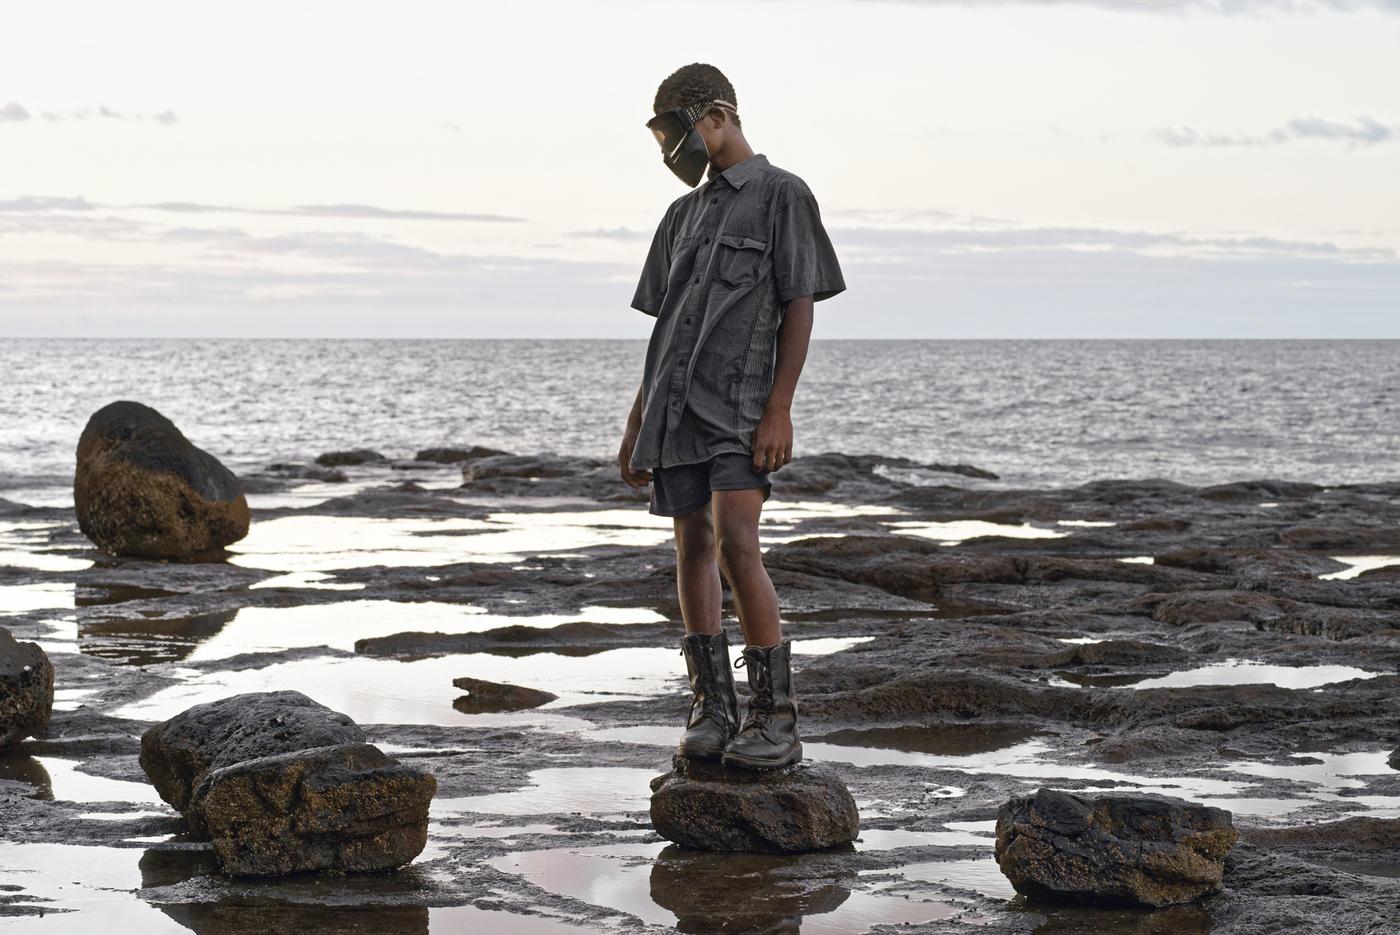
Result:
1035,412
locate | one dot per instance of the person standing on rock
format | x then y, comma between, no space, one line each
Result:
731,277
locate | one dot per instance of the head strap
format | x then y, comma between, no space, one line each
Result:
699,109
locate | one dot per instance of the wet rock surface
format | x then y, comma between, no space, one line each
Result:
26,689
1114,850
967,642
483,696
345,808
142,489
177,755
708,806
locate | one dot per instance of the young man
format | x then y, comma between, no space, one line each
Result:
731,276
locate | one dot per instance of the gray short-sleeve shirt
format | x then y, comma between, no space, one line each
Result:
726,259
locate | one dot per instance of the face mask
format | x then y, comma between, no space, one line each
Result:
683,149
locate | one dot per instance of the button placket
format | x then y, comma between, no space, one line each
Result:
685,338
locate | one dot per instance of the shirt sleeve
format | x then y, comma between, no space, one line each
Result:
804,262
651,288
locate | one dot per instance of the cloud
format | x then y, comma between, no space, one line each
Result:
886,243
355,211
614,233
1365,131
1228,7
29,203
14,112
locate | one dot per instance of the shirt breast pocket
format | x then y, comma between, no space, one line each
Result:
737,260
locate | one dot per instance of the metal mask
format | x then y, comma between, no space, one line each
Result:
683,149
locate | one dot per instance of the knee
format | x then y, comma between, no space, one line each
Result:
737,552
696,544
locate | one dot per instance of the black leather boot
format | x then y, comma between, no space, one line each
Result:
767,738
714,711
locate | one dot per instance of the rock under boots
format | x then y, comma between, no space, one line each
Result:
714,710
767,738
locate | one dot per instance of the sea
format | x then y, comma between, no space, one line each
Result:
1037,413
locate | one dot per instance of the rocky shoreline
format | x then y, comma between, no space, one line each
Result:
1235,645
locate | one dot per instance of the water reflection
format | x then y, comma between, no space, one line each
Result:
698,891
962,530
145,641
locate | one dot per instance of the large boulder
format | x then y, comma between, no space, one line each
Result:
346,808
178,754
1115,850
141,489
706,805
26,689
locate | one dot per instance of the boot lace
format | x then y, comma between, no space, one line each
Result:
761,707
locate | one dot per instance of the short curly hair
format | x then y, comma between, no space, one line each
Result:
693,83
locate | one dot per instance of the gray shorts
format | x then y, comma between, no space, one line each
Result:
676,491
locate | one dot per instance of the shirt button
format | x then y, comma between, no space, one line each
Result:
687,319
714,201
707,240
697,282
681,362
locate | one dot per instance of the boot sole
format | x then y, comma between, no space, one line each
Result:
738,759
700,753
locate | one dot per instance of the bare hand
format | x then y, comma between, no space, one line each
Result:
633,478
772,440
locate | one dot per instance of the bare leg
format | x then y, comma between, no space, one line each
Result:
697,574
736,514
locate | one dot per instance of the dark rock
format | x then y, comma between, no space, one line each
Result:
345,808
141,489
547,464
1185,608
350,458
1115,850
1259,490
26,689
457,455
803,807
179,753
484,697
1394,760
309,472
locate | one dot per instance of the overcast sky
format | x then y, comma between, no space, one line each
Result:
1161,168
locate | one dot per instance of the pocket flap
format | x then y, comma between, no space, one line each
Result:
742,242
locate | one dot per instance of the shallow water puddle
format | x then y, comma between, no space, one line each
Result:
885,839
339,625
962,530
1025,760
1335,771
390,691
667,885
84,889
26,544
1243,672
66,783
22,598
1358,564
981,875
591,790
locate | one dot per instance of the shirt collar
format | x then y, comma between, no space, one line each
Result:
739,173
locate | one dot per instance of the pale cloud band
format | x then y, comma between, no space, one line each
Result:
15,112
1364,131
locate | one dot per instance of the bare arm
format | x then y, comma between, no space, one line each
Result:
629,442
772,439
